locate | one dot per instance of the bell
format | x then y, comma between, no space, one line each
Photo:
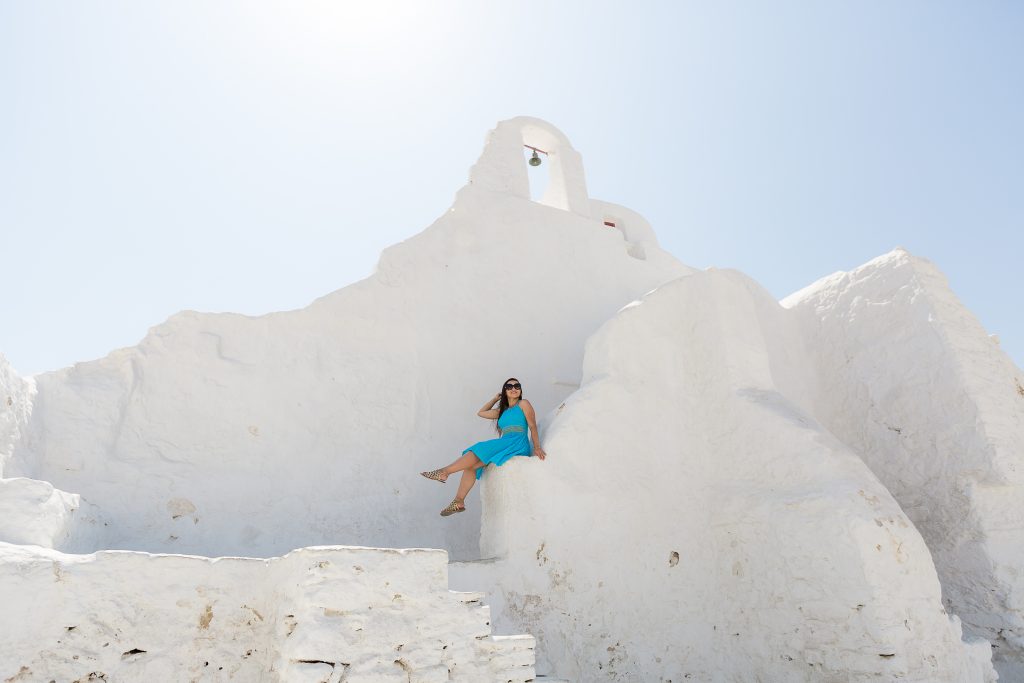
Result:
535,160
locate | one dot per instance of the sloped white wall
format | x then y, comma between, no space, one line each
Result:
910,379
226,434
692,522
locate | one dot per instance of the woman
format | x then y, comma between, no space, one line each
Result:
513,414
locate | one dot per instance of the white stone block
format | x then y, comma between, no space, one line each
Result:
911,381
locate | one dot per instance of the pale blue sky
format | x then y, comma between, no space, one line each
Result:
250,157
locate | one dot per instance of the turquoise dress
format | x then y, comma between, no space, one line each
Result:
513,441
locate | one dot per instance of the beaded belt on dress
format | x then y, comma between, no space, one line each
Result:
513,428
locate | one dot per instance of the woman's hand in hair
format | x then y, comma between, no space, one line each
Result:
488,410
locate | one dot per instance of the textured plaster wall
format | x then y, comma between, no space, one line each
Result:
226,434
360,615
910,379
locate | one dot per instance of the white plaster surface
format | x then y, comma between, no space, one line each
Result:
694,523
310,426
912,381
325,614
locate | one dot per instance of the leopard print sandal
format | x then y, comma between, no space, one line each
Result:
436,475
453,507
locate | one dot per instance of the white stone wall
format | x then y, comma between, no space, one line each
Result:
361,615
910,379
692,522
227,434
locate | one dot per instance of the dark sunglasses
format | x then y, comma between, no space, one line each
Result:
515,385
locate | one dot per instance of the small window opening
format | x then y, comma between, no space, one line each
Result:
614,222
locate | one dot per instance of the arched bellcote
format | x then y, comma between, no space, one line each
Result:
502,167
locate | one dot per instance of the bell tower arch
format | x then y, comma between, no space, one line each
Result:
503,167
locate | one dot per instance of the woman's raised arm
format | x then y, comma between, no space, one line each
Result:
486,410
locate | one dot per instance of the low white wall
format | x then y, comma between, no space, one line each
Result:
910,379
361,615
691,521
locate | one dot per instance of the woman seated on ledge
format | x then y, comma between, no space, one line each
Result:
513,414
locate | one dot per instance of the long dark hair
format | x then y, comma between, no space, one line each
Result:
503,403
